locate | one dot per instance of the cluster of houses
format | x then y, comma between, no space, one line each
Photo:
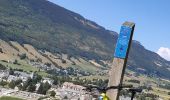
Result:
42,66
5,75
72,89
69,90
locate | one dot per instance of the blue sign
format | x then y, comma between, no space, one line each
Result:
123,42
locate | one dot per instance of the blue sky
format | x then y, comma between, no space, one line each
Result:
152,17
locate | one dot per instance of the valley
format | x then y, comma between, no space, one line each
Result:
27,59
48,52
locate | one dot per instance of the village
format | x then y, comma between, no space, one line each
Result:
31,86
18,83
17,78
50,82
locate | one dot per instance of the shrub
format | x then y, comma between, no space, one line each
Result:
44,87
168,93
15,62
134,81
3,83
2,67
23,56
52,93
63,61
11,85
48,64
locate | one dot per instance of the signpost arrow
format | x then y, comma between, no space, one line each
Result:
120,58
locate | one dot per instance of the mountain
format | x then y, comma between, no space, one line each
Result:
50,27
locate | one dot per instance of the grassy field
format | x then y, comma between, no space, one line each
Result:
9,98
94,77
24,66
86,66
163,93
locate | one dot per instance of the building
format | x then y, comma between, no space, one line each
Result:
12,78
50,81
73,87
72,91
37,86
4,74
22,75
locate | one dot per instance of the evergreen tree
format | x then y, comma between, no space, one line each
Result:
31,87
44,87
39,91
26,84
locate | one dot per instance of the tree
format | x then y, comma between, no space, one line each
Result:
12,85
63,61
31,87
15,61
56,81
37,79
17,82
48,64
168,93
2,67
65,97
44,87
39,91
26,84
3,83
52,93
23,56
11,72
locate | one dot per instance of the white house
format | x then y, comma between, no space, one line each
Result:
4,74
50,81
12,78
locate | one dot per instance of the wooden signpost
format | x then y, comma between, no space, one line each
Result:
120,58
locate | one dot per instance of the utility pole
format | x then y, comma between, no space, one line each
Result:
120,58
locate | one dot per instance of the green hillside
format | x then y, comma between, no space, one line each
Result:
58,30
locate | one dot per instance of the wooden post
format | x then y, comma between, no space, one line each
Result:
120,58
